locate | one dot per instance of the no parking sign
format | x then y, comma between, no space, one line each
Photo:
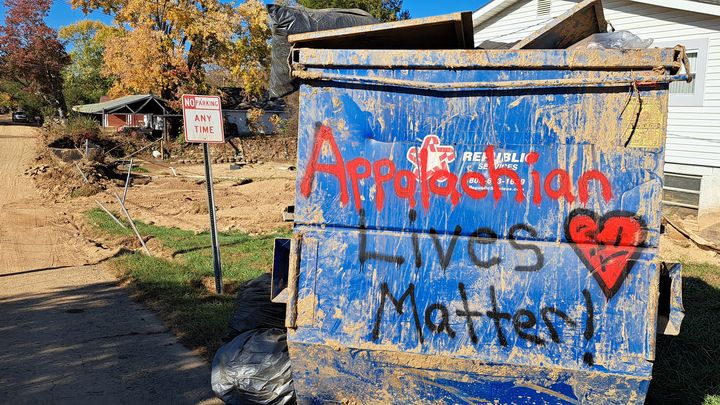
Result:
202,116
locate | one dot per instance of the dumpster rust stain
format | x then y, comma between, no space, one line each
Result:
637,120
409,373
306,309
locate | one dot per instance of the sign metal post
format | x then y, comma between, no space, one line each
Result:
202,116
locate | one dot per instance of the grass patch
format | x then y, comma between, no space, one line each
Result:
175,287
686,370
140,169
687,367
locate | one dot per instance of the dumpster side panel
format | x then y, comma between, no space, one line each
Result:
499,301
477,245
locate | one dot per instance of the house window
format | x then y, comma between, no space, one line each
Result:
543,8
690,94
681,193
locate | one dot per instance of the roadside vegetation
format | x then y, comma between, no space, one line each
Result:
178,281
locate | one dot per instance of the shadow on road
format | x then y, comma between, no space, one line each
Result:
687,367
92,344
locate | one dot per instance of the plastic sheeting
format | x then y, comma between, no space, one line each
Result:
613,40
254,368
253,309
285,21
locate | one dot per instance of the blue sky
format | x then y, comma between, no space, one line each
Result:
425,8
62,14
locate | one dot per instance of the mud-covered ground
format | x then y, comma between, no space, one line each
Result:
250,199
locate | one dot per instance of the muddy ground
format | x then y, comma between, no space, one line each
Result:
250,199
70,332
169,191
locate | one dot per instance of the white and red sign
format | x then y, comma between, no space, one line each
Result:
203,119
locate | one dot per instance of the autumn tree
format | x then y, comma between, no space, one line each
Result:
164,46
84,78
6,102
143,60
30,52
247,56
384,10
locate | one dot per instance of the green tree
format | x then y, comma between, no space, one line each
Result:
84,80
15,96
385,10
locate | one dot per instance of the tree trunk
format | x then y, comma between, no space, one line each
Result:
61,103
54,95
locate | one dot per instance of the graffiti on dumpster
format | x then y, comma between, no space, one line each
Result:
607,245
445,254
523,322
431,178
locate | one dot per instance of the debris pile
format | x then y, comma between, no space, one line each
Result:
245,149
80,160
81,178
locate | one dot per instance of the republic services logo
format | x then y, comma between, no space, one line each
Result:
438,156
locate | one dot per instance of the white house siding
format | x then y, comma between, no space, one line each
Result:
239,118
693,143
518,21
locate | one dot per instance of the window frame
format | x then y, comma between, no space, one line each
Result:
695,99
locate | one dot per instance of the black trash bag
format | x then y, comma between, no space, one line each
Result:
254,368
286,21
254,310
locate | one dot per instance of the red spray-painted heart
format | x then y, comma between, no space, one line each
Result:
607,245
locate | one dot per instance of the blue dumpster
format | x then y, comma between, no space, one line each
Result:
478,226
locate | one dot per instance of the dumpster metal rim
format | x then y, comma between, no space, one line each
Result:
669,58
639,80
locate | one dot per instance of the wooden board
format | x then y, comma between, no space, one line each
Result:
576,24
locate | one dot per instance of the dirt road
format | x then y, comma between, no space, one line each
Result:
68,332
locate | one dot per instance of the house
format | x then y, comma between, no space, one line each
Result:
265,126
692,159
142,110
237,104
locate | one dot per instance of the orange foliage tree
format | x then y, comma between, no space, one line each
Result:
164,47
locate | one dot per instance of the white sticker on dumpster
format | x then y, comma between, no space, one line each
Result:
202,116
